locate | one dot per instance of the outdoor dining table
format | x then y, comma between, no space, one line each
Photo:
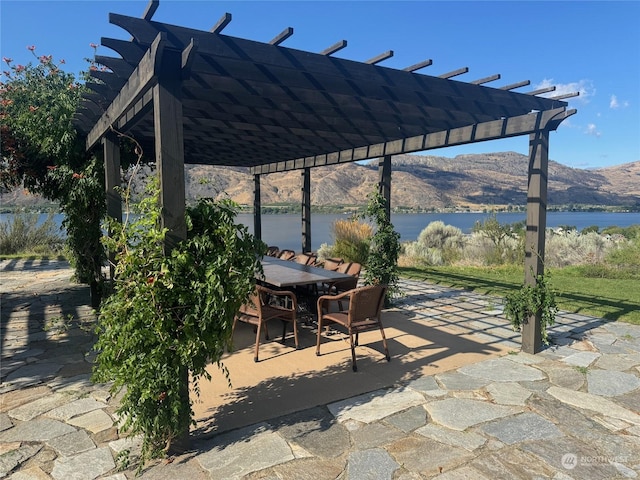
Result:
287,273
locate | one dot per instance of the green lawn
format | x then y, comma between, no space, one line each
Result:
613,299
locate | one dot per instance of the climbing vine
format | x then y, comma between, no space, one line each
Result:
528,300
171,314
382,263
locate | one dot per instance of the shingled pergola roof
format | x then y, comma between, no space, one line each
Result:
191,96
247,103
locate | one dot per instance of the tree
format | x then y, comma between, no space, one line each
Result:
42,150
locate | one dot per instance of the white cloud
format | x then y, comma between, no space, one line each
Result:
592,130
584,87
613,103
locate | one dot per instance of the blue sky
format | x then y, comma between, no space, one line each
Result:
587,46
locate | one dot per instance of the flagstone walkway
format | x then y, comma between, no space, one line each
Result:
570,412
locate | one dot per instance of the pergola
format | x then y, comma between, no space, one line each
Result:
198,97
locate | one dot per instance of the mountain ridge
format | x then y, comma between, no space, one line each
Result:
419,182
429,182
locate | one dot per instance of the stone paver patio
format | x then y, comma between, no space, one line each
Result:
459,403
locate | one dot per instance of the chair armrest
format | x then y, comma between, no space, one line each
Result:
280,293
331,298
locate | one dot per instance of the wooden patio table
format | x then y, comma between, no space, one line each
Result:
286,273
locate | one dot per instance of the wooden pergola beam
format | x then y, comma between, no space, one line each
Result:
379,58
417,66
282,36
140,81
334,48
488,79
221,24
493,130
454,73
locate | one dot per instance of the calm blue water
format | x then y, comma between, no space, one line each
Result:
284,230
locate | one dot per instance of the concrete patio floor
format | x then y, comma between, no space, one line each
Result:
431,329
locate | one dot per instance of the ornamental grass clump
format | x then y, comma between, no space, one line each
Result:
352,240
171,314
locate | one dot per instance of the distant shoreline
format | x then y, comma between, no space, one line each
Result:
354,209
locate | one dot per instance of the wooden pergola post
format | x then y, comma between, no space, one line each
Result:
169,143
535,230
384,182
257,208
111,151
306,210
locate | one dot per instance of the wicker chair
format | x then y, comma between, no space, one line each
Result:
273,251
261,308
365,307
286,254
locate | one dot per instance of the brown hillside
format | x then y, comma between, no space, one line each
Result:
426,182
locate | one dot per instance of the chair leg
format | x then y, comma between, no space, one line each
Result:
295,332
255,355
284,329
384,344
353,352
319,332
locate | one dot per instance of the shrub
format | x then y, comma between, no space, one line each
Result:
507,240
24,235
438,244
572,248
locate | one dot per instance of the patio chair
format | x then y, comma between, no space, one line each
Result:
332,263
340,286
273,251
286,254
306,258
365,307
265,304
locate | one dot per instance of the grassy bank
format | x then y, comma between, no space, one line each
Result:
613,299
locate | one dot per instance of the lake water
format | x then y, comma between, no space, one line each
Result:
284,230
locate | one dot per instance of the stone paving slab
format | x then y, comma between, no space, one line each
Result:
522,428
235,455
373,464
86,465
39,430
462,413
502,370
375,406
611,383
594,403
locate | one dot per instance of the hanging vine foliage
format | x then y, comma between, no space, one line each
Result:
170,316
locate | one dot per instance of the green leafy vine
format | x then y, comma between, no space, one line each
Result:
529,300
382,263
170,316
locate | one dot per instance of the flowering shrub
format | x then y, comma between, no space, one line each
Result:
42,150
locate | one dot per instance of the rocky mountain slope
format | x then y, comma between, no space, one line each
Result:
429,182
424,182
